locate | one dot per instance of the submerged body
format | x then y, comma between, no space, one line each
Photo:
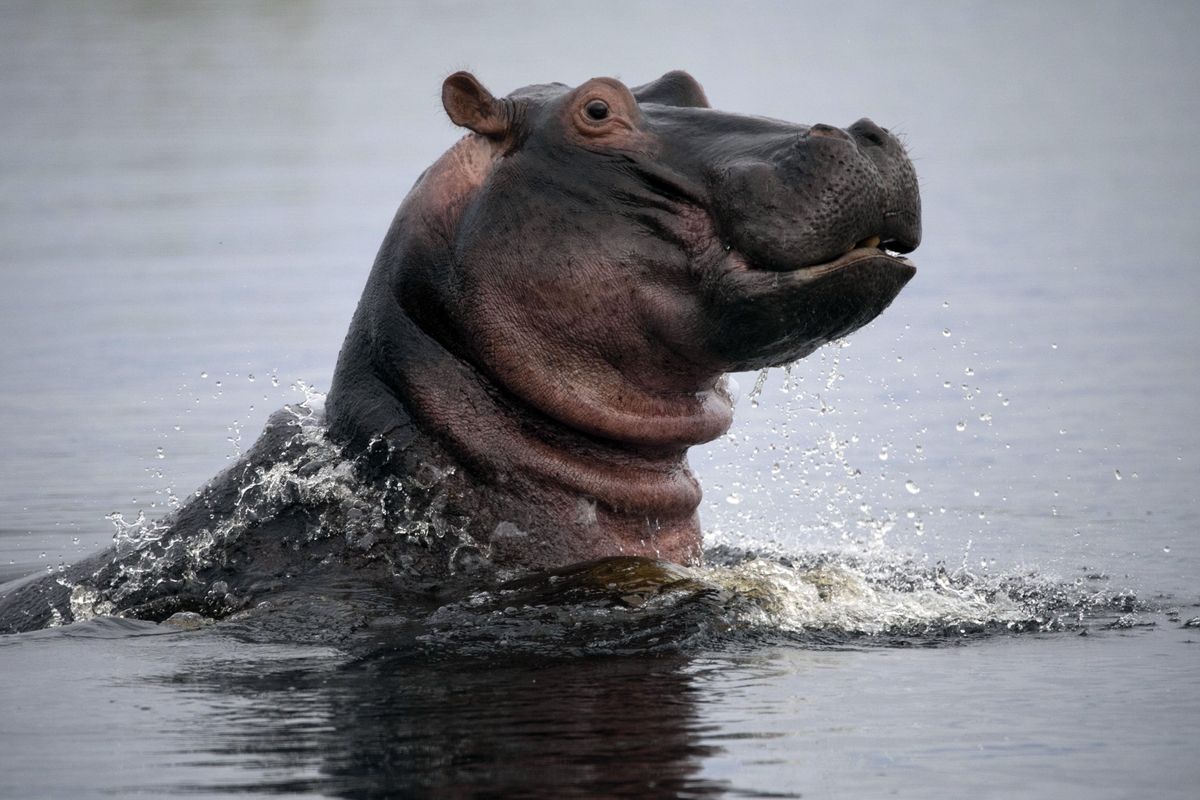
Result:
544,335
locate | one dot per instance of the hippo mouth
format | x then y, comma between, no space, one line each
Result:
872,248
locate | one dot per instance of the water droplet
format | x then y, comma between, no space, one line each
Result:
274,380
160,453
961,426
912,487
985,417
1166,548
250,377
945,384
734,499
968,371
1117,474
218,383
945,331
203,374
945,304
1053,346
883,453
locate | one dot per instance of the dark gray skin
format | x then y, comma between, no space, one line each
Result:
546,331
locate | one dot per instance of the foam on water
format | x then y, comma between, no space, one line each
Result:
841,598
887,594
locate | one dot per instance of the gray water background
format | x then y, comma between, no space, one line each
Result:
193,194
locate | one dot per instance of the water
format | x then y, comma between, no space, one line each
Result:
193,195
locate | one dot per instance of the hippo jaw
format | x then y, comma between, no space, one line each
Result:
775,317
560,296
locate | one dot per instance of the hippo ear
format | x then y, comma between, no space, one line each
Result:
469,105
676,88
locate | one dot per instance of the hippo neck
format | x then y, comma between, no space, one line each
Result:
584,460
502,439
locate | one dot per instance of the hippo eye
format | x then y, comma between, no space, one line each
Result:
597,109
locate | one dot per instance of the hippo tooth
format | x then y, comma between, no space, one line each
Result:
871,241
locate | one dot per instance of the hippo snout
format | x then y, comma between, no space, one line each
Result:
803,196
901,202
897,202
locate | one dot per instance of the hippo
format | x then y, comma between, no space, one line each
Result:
546,331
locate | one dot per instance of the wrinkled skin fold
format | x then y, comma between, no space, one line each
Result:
544,334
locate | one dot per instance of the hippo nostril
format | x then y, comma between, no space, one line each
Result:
821,129
868,131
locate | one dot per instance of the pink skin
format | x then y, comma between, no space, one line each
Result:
624,487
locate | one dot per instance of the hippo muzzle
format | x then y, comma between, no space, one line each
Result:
812,221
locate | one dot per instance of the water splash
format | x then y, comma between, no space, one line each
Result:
825,599
307,473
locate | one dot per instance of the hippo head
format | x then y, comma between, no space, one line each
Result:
562,292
